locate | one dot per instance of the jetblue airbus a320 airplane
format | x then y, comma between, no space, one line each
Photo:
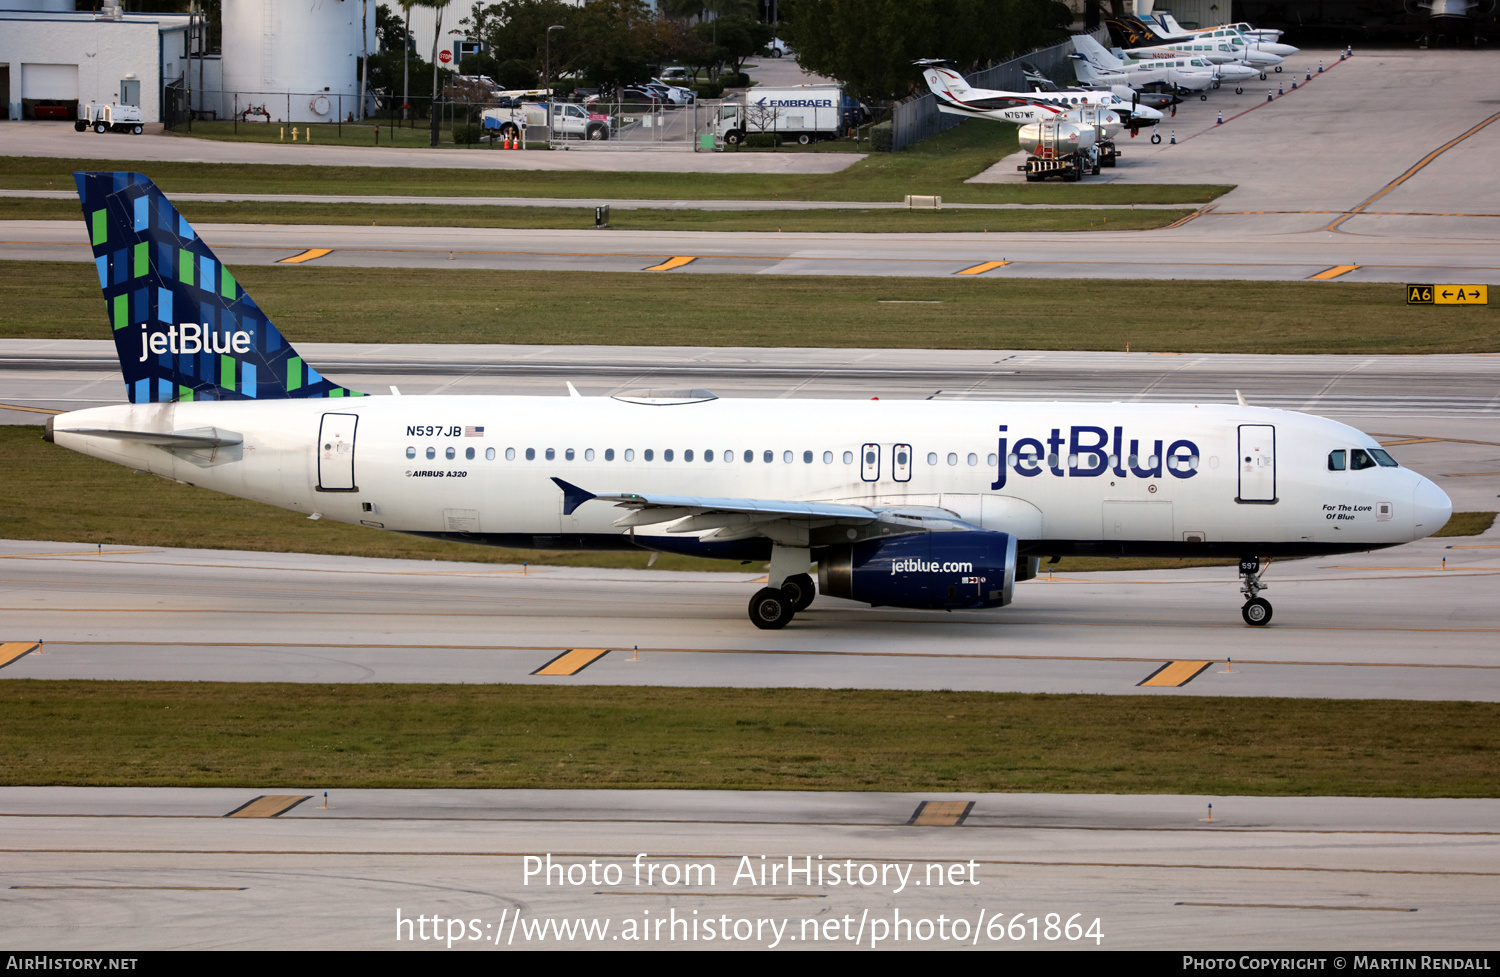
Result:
924,504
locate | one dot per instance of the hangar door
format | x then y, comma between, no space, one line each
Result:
58,82
1257,463
336,453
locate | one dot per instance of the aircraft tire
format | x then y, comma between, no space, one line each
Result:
800,591
1239,90
1263,75
1202,98
1278,68
1256,612
1216,85
1156,139
770,610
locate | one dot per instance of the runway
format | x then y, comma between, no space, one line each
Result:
144,869
1410,249
1415,622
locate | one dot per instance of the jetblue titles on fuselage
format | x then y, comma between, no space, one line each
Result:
1091,452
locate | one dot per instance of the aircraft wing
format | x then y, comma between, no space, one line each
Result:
778,519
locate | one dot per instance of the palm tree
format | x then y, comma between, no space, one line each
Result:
437,33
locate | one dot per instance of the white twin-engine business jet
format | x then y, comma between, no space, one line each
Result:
924,504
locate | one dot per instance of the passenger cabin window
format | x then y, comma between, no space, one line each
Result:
848,457
630,454
768,457
609,454
449,454
588,454
431,453
648,454
489,454
411,452
749,457
1359,461
1336,460
469,453
531,454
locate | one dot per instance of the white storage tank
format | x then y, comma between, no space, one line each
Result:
298,60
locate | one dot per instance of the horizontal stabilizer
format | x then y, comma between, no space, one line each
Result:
210,437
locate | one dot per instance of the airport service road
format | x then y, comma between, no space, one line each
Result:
165,869
1391,624
1418,251
1410,399
60,141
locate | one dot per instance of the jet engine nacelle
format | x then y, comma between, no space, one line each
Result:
959,569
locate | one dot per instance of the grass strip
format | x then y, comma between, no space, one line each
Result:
577,218
1467,524
377,305
316,737
939,165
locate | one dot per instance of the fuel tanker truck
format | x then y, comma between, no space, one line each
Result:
1065,149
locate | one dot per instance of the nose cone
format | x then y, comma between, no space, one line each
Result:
1431,508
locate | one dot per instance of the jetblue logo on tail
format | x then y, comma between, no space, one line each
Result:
184,328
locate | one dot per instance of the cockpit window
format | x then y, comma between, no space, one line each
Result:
1386,461
1359,460
1336,460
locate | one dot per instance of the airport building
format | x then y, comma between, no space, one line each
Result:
283,61
52,59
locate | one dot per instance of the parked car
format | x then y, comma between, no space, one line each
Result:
777,48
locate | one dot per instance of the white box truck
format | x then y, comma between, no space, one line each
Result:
804,113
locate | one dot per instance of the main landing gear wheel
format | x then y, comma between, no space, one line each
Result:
1257,612
770,610
800,591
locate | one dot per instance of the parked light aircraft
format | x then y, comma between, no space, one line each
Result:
1095,65
926,504
955,97
1267,41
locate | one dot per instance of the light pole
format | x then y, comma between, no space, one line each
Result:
547,65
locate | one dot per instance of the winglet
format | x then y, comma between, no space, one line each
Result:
573,496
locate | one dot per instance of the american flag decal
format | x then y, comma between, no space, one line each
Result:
473,432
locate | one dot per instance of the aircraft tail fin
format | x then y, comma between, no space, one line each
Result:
946,83
184,328
1095,53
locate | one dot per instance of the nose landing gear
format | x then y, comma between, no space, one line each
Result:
1257,610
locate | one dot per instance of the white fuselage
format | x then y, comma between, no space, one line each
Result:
1061,477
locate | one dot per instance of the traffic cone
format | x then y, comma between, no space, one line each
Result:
1320,67
1269,96
1221,119
1280,89
1174,138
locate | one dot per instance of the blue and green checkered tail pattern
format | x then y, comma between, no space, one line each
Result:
183,327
